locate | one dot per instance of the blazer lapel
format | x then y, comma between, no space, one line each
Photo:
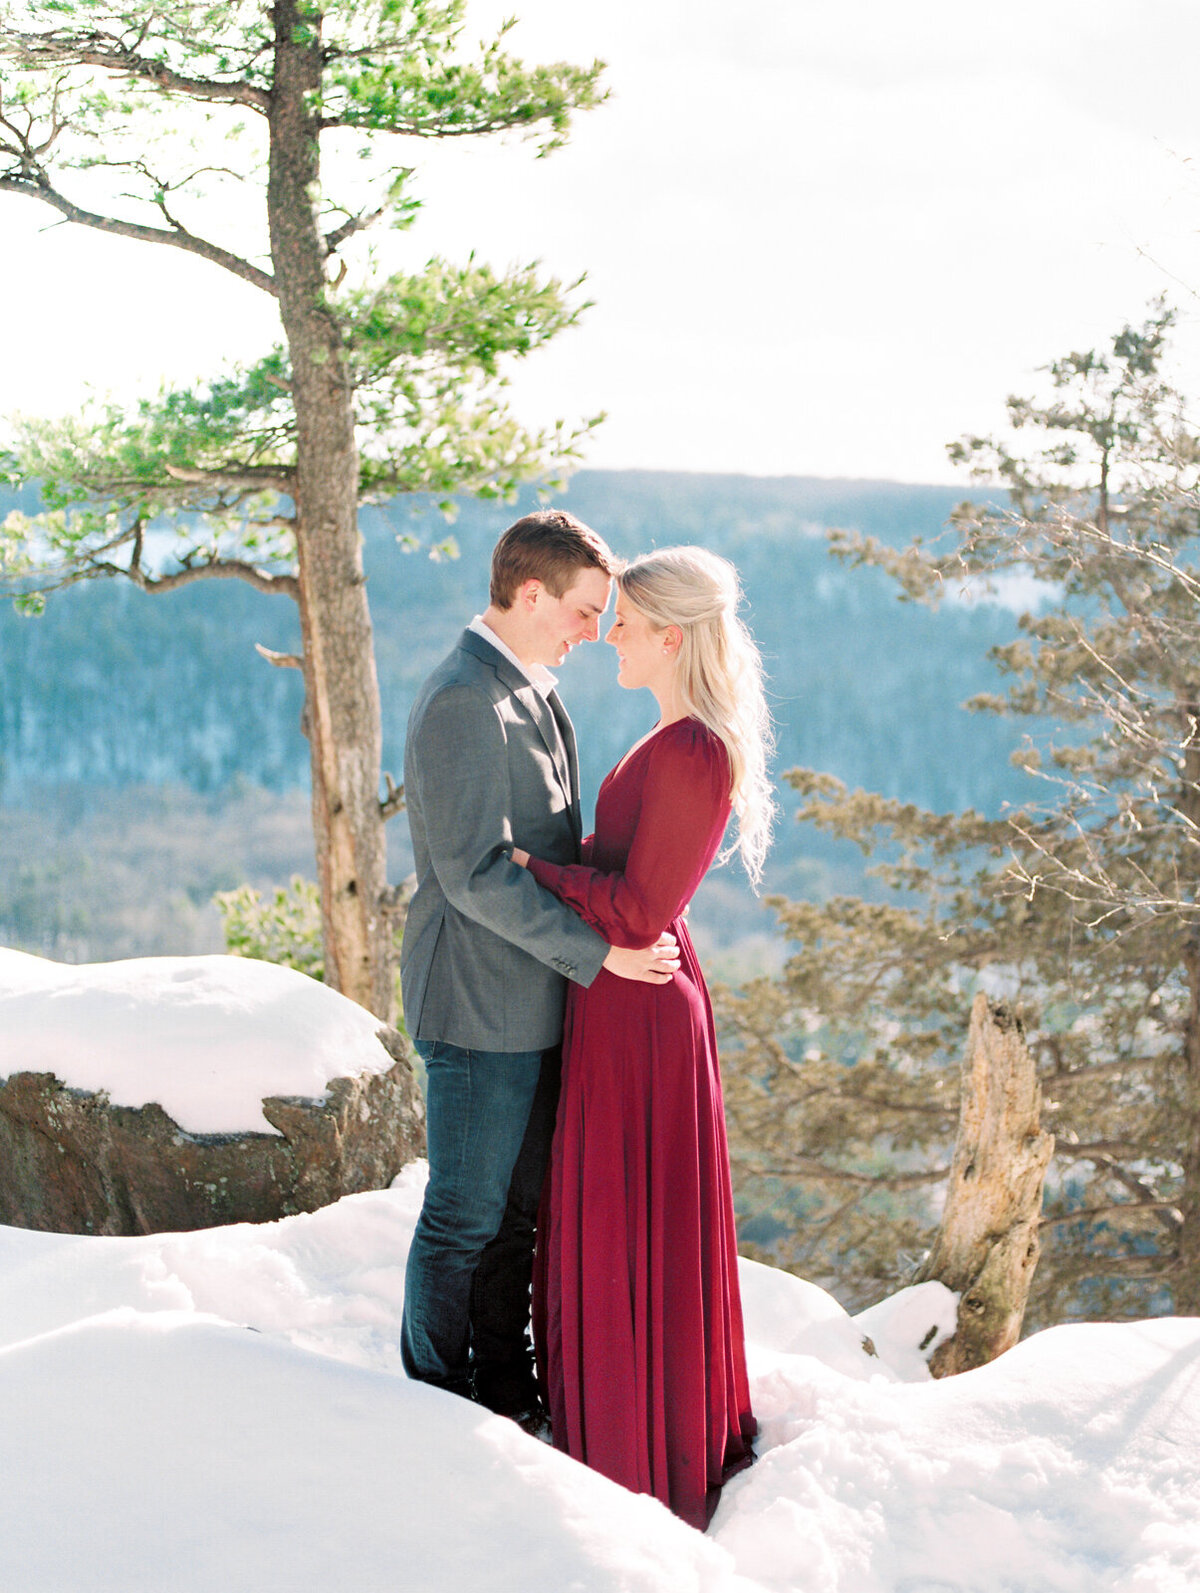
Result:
548,729
550,719
567,731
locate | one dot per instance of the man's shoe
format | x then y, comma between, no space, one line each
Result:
536,1423
507,1387
510,1389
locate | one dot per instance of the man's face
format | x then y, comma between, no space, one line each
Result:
559,623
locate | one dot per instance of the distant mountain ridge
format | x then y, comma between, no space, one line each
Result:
113,687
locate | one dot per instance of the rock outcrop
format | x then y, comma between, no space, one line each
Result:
72,1162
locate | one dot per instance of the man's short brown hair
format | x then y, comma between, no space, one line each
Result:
550,546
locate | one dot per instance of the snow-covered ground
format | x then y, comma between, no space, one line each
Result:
223,1411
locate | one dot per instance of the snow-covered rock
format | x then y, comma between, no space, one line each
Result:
171,1093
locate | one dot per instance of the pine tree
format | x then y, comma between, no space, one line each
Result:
158,125
1081,908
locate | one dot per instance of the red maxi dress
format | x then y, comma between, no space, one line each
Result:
637,1312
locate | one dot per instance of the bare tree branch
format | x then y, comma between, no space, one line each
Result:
1143,1192
393,803
351,225
218,569
177,236
210,569
393,902
280,660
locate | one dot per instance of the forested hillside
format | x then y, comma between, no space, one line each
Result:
112,691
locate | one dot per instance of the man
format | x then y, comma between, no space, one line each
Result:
489,764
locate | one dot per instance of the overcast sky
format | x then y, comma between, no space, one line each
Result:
824,237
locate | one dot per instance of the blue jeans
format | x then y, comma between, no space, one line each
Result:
489,1122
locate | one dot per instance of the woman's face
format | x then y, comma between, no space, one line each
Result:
644,654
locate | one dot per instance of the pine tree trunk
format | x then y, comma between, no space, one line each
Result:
987,1247
342,716
1187,1281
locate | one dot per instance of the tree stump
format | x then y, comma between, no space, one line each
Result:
988,1246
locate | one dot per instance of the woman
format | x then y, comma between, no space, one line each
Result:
637,1312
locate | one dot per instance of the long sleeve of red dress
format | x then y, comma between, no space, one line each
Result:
677,830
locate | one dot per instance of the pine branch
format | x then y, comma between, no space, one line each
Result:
1153,1267
425,127
832,1222
799,1166
1098,1151
1124,1208
243,478
1117,1068
110,54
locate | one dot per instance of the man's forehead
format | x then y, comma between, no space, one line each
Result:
590,589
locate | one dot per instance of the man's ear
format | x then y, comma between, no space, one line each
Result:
527,592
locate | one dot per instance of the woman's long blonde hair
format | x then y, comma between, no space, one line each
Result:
720,677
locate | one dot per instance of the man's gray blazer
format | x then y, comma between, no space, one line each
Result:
489,764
